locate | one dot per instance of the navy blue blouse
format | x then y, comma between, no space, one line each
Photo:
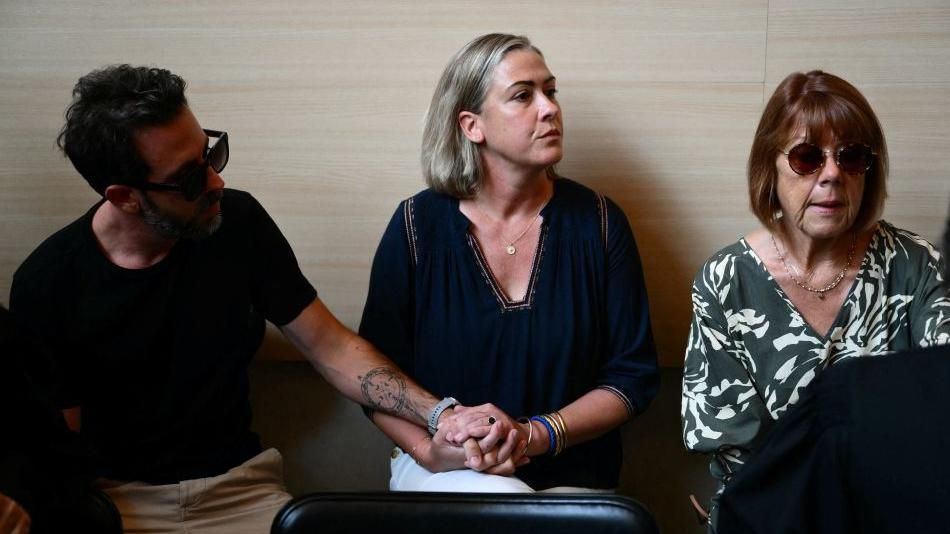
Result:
435,308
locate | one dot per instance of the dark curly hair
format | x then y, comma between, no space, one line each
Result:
109,106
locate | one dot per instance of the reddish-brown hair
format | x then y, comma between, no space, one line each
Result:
820,104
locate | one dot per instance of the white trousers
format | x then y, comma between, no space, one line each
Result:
407,475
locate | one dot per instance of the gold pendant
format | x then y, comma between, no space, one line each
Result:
510,249
821,296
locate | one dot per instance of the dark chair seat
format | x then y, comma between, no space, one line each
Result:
462,513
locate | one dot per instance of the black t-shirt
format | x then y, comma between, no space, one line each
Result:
157,358
43,465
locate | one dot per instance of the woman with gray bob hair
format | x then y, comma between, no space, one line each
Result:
511,290
450,162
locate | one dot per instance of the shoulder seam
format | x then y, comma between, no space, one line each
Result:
602,209
410,229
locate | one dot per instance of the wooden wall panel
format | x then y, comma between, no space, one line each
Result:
671,154
890,41
323,102
898,55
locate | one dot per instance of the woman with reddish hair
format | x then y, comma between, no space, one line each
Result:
822,281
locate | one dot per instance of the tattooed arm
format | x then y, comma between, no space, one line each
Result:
355,368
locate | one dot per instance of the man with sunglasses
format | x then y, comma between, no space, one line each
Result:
153,303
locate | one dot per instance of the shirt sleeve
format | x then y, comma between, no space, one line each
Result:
721,410
389,314
930,308
630,369
35,326
280,291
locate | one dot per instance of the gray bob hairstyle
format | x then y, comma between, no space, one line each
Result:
450,162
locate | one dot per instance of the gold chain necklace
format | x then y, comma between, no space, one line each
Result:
819,291
510,247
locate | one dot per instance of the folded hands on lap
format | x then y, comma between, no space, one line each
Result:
490,440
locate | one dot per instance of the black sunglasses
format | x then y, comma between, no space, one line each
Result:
852,158
192,181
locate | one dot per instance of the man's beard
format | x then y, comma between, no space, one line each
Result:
172,227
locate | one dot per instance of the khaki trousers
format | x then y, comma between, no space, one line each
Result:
242,501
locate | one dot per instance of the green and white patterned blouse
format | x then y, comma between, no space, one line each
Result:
750,351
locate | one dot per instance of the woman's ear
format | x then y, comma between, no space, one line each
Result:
123,197
470,123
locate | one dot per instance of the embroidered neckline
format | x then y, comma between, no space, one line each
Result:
846,306
504,301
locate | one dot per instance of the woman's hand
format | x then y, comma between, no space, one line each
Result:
496,431
498,449
505,458
438,455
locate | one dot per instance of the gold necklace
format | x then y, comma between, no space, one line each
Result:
510,247
819,291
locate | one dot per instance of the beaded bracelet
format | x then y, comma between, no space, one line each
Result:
551,440
557,431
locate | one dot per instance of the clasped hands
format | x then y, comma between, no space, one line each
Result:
483,438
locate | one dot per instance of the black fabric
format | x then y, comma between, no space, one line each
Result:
865,451
43,465
157,358
462,513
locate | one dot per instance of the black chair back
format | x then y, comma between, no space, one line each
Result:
463,513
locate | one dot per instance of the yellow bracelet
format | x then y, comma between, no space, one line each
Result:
557,434
525,420
563,428
557,424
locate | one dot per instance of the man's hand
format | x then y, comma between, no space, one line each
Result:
13,518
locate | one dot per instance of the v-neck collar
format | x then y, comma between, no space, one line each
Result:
848,300
463,225
503,299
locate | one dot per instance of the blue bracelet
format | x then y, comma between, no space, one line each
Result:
548,426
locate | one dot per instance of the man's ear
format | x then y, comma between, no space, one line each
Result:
470,123
123,197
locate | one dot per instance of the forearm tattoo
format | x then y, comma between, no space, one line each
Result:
385,390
